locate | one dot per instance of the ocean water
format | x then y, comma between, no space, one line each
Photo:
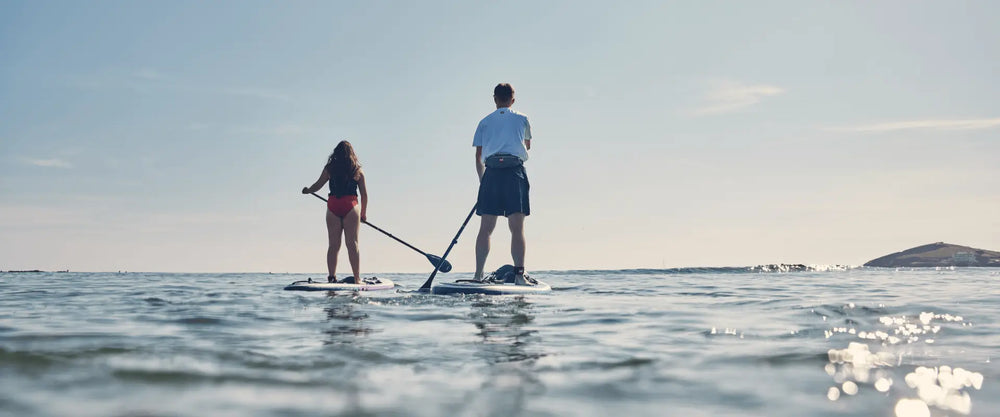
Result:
684,342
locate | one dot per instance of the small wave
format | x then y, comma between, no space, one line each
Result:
199,320
632,362
29,359
590,321
754,269
24,359
712,294
516,357
793,358
156,301
849,312
186,377
798,268
724,332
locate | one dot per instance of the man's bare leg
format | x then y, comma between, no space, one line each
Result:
517,244
486,225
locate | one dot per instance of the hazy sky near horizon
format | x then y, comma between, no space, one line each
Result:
177,135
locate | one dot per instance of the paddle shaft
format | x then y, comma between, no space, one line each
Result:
394,237
383,231
441,264
427,285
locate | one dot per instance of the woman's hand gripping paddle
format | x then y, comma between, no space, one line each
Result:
438,262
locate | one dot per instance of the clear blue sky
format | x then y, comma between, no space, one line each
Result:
176,135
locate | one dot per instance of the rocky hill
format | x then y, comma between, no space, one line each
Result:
938,254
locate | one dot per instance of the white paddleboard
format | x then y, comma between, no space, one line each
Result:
499,282
467,287
367,284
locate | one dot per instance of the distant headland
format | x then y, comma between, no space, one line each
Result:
938,254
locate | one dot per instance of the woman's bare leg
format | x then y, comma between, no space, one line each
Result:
334,227
352,222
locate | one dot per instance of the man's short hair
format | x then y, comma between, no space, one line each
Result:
503,92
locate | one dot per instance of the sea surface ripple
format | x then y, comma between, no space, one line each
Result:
759,341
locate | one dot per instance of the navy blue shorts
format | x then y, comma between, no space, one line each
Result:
504,191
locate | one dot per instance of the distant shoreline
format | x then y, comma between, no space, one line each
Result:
938,254
934,255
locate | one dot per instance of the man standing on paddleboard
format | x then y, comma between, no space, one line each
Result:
502,141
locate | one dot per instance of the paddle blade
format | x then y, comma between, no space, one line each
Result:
437,261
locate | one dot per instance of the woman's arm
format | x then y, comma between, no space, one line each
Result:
363,190
323,178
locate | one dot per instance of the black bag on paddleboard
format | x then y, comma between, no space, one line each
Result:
503,160
504,274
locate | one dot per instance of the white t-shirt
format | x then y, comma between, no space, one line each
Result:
503,131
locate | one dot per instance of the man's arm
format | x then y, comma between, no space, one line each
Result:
479,162
527,134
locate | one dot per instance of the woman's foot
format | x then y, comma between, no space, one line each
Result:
331,279
348,280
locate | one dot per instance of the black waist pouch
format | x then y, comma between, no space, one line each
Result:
502,160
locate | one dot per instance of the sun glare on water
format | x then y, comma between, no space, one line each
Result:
943,387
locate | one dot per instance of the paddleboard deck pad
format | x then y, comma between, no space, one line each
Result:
367,284
500,282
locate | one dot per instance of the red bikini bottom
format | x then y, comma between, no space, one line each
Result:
342,205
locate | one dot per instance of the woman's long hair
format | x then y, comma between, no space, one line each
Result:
343,163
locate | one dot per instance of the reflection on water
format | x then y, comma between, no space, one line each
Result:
500,322
347,326
510,349
347,322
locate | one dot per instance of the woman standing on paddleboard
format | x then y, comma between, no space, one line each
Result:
346,178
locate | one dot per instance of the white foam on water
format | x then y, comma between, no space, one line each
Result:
828,268
726,331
